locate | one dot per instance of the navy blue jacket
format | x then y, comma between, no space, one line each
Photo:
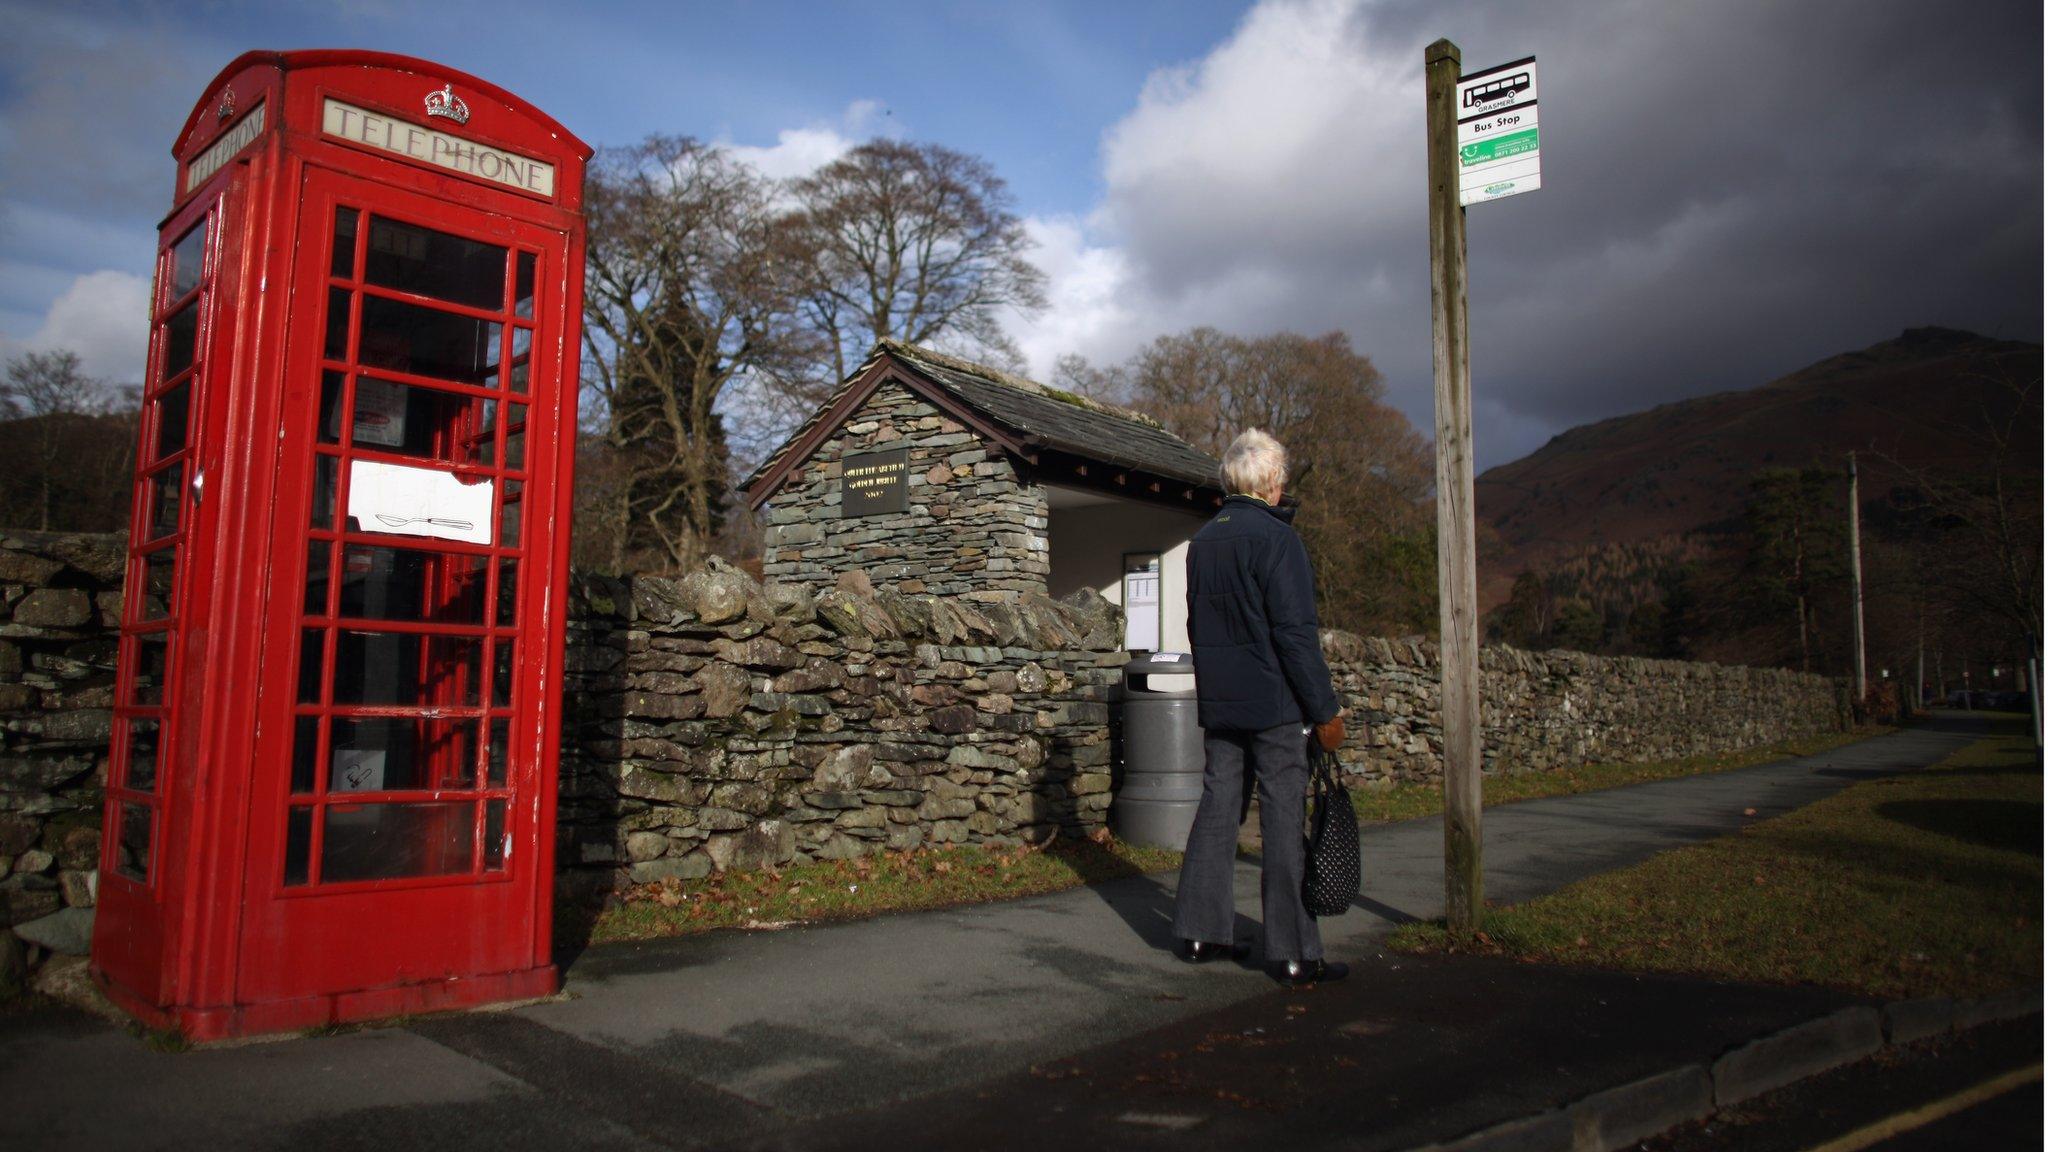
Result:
1252,622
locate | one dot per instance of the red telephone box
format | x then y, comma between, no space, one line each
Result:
332,789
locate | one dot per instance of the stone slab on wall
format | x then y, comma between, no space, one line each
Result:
971,525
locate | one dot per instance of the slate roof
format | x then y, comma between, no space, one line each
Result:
1034,415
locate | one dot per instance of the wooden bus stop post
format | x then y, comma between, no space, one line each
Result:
1457,579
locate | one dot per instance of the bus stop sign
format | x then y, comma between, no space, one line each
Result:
1498,146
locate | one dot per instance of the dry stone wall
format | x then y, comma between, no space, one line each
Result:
970,525
60,613
711,722
1544,711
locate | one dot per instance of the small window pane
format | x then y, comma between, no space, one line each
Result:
501,746
425,262
501,674
407,669
165,492
425,422
312,647
131,853
509,514
330,407
151,653
396,753
142,745
388,841
508,593
522,302
159,569
319,556
324,470
188,261
181,340
305,753
298,844
495,846
338,300
173,412
343,262
381,583
522,356
515,438
428,342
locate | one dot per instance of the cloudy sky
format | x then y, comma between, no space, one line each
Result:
1731,189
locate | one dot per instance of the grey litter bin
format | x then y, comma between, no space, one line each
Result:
1162,755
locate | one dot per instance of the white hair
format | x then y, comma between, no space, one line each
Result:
1254,464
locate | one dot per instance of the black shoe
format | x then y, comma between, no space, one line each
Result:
1302,973
1203,951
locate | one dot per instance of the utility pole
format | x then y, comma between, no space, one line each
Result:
2034,695
1920,681
1856,573
1457,579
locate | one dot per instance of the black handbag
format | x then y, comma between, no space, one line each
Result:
1330,877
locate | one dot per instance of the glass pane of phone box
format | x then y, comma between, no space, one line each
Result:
391,841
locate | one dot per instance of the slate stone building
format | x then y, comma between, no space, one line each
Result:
928,473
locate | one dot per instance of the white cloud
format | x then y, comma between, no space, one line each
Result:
104,317
1085,292
1252,190
801,151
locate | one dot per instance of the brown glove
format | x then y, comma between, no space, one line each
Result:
1330,733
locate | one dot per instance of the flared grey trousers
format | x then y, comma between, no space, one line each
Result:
1204,906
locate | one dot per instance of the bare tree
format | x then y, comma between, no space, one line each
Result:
69,440
915,242
689,292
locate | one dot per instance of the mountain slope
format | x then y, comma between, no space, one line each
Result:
1685,467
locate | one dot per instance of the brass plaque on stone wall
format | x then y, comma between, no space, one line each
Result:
874,482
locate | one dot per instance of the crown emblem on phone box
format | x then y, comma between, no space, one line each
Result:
447,104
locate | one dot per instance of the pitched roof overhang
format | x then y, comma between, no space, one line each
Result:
1059,438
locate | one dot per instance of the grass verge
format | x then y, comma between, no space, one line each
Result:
1410,801
849,889
1919,885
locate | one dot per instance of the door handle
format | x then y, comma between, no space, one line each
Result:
198,484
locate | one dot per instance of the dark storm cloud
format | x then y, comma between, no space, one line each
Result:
1731,191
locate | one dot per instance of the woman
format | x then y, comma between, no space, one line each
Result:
1259,676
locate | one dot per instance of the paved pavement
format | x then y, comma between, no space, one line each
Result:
738,1039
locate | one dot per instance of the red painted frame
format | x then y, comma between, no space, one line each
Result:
213,941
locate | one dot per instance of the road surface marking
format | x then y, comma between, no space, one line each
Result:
1920,1117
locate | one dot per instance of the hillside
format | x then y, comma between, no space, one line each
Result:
1653,478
